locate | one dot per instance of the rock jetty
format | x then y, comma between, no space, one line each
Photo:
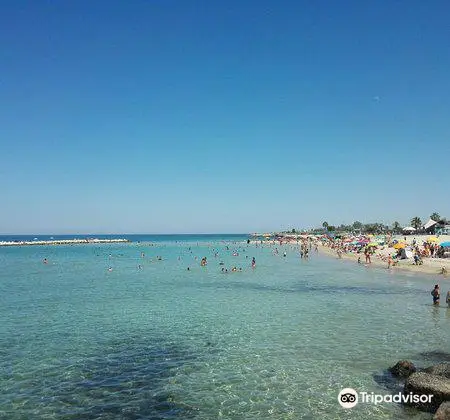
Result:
433,380
64,242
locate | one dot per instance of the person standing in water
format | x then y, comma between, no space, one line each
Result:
367,254
436,293
253,262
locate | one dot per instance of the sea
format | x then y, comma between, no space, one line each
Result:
141,330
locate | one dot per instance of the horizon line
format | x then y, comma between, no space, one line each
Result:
90,234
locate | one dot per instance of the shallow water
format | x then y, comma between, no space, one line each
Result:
161,342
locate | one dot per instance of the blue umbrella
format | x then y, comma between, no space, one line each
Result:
446,244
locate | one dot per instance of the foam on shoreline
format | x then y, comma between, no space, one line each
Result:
64,242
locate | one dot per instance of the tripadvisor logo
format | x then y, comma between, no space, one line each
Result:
349,397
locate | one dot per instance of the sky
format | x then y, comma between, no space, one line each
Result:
200,116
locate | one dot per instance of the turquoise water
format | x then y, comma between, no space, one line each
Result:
275,342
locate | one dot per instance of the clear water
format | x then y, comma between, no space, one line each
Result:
80,342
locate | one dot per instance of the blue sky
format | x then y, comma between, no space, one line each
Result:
234,116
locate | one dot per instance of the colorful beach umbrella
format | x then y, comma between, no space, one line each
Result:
445,244
399,245
373,244
432,239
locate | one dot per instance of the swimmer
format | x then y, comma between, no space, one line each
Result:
284,254
110,269
45,261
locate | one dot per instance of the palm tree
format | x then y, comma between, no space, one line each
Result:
416,222
396,227
435,216
357,225
370,228
325,225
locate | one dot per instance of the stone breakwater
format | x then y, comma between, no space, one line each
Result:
64,242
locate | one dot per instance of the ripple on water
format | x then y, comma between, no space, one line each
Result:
278,342
126,379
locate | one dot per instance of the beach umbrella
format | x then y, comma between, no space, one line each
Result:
373,244
399,245
432,239
408,229
445,244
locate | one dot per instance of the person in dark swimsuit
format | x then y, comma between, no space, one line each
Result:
436,294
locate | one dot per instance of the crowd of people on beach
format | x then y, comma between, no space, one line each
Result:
388,250
385,249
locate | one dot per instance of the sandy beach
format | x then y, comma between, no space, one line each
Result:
429,266
380,256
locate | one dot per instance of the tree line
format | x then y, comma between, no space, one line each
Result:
374,228
378,228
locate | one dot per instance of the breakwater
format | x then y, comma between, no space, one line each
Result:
64,242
